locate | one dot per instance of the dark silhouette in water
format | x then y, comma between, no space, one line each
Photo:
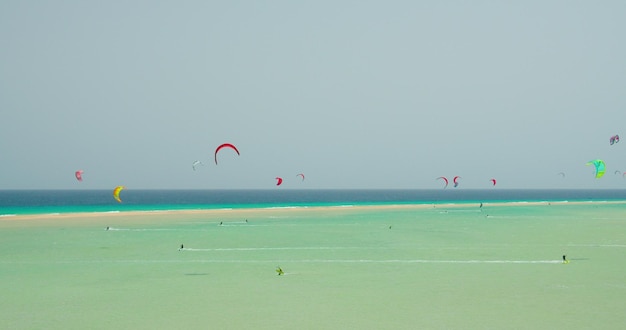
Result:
181,247
565,261
279,271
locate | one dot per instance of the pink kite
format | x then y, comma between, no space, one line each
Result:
79,175
456,181
493,181
302,175
279,181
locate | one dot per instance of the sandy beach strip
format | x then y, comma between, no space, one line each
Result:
266,211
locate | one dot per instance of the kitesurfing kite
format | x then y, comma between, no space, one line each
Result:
493,182
614,139
196,163
561,174
302,175
599,165
79,175
444,179
225,145
116,193
456,181
279,181
617,172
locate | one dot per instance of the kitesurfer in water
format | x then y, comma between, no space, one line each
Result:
181,247
279,270
565,261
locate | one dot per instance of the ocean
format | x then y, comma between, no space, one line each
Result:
17,202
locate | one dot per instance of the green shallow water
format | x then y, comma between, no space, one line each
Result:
435,268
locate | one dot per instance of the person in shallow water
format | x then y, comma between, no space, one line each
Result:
181,247
565,261
279,270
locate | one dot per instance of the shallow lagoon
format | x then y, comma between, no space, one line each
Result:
404,267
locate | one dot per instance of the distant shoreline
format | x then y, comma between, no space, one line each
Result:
286,209
54,203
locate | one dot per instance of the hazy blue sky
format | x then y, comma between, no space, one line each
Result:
354,94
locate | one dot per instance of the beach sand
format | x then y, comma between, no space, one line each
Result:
438,266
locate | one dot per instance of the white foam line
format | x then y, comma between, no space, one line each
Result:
283,207
337,261
285,224
599,245
241,224
464,248
280,248
513,216
462,211
142,229
426,261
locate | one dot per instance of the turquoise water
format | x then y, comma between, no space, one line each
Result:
71,201
428,267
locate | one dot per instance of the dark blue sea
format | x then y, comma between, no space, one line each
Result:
16,202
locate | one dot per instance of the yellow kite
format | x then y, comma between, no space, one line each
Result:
116,193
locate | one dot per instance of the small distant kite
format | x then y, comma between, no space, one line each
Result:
196,163
279,181
493,182
79,175
617,172
225,145
302,175
456,181
614,139
444,179
562,174
599,165
116,193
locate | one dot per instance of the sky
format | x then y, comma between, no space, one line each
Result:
353,94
